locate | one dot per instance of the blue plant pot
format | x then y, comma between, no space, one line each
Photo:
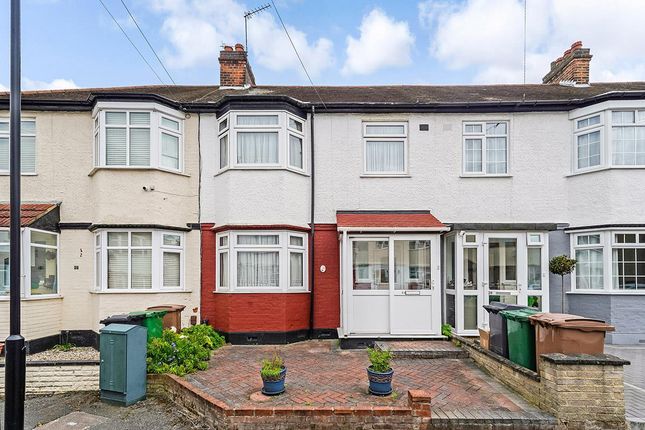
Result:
273,388
380,383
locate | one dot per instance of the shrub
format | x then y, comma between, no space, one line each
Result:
379,360
562,265
64,347
184,352
271,368
446,330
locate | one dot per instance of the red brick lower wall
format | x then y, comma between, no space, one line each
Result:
327,284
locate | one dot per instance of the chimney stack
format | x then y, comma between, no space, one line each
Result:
572,66
234,68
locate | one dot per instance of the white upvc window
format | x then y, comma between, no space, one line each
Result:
628,137
385,148
485,148
261,140
27,145
138,135
261,261
588,142
139,260
39,263
610,260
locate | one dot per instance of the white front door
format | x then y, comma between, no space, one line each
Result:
393,287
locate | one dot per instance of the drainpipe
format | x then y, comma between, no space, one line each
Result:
313,229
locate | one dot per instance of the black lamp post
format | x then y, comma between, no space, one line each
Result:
14,411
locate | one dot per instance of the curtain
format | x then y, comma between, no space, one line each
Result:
495,155
258,239
169,123
223,269
171,269
117,268
223,151
257,120
258,269
257,147
139,118
473,154
115,146
169,151
4,153
141,268
296,269
385,156
589,269
27,147
139,146
295,151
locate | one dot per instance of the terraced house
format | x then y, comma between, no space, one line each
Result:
282,213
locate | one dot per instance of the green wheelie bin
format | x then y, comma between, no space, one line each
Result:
521,337
153,321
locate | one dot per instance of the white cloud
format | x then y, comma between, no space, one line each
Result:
382,43
196,29
486,36
3,88
56,84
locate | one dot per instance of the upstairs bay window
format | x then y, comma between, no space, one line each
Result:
145,136
485,148
588,147
251,261
139,260
628,138
385,148
261,140
27,146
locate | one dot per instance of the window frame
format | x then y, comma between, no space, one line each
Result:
157,249
588,130
636,124
284,249
484,149
7,120
156,127
388,137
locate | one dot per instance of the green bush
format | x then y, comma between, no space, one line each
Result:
446,330
64,347
271,368
380,360
184,352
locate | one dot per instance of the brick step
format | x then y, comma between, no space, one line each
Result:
491,419
422,349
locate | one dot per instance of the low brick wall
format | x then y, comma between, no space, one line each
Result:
50,377
218,415
581,391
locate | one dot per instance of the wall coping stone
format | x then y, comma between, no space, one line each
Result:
573,359
53,363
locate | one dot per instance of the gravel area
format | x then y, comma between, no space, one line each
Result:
74,354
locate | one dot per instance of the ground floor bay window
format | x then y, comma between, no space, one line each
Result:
261,261
391,284
484,267
139,260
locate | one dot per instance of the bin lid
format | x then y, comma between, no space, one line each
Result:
119,328
519,314
495,307
571,321
121,319
167,308
149,314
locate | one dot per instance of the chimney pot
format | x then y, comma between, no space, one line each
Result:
234,68
573,65
228,48
239,47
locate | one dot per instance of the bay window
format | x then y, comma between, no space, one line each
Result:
27,146
610,260
385,148
485,148
588,147
257,261
143,135
628,137
261,140
139,260
39,263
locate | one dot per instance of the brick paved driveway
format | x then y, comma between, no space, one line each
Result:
319,374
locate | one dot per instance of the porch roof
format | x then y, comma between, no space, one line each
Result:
30,213
389,220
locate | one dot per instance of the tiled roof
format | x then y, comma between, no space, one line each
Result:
388,219
335,95
29,213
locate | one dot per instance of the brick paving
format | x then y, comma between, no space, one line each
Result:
634,381
321,375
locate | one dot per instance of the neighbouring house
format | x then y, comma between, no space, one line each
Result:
352,212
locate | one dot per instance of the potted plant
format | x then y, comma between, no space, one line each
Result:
380,372
562,265
273,373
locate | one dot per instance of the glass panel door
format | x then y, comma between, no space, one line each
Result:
502,270
471,287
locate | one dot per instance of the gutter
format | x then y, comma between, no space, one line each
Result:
313,229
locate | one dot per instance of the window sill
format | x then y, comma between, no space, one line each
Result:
33,298
138,169
385,175
602,169
608,292
22,174
261,168
505,175
256,291
143,292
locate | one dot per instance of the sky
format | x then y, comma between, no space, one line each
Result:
75,43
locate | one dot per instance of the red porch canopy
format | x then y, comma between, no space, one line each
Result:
29,213
388,220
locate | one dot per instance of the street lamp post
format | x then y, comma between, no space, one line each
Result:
14,411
